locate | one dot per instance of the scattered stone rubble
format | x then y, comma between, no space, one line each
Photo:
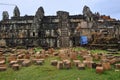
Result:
67,59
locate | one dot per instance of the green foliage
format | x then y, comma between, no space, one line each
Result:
37,49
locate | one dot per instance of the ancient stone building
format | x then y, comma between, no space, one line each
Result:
61,30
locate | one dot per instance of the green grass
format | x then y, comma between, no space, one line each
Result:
98,51
79,48
48,72
37,49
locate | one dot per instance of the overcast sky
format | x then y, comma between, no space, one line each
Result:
29,7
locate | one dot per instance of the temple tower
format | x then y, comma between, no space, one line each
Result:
16,12
63,27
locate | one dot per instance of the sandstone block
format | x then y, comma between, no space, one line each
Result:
60,65
54,62
26,63
106,66
81,66
76,62
15,66
117,66
99,70
3,67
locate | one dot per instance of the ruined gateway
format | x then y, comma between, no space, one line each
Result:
62,30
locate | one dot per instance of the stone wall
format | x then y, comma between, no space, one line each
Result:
60,30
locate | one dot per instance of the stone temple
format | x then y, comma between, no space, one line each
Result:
61,30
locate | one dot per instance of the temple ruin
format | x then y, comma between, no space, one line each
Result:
61,30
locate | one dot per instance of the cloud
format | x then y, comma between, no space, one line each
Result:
108,7
29,7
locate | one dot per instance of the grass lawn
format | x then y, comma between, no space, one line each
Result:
48,72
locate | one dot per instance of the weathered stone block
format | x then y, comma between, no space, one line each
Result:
39,62
21,56
43,60
12,59
103,57
67,64
54,62
106,66
112,61
38,56
99,64
26,63
88,58
88,63
63,56
20,61
81,66
104,60
96,56
46,55
12,62
99,70
76,62
73,56
60,65
15,66
2,58
3,67
2,62
55,54
117,66
27,56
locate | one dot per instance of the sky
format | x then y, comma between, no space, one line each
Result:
74,7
